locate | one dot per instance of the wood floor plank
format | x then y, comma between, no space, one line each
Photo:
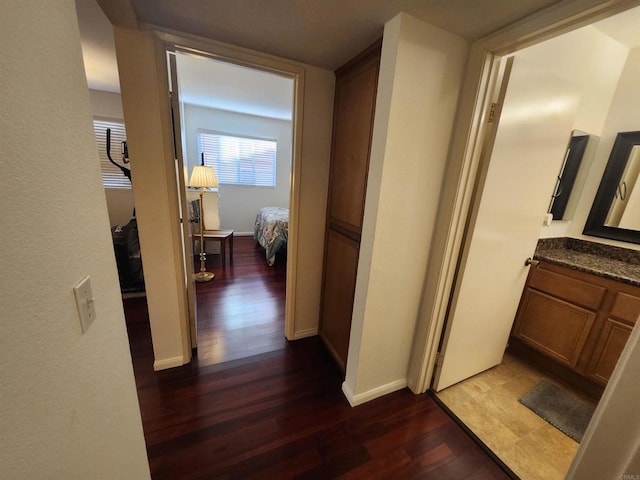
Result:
252,405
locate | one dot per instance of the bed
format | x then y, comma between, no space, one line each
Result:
271,230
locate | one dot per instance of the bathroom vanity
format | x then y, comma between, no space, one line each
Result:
578,307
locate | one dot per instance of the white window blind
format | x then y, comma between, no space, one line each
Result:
112,176
239,160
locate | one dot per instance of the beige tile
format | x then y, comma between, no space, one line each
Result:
519,385
475,385
499,374
485,425
488,404
502,404
526,466
454,395
549,445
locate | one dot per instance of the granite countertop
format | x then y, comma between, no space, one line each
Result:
607,261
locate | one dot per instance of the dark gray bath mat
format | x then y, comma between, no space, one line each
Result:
563,410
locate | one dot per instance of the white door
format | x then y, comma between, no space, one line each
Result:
187,245
533,130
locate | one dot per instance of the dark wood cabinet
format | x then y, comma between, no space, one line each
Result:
354,107
574,324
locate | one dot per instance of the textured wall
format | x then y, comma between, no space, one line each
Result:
68,407
420,77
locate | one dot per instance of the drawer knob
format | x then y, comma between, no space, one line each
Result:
532,262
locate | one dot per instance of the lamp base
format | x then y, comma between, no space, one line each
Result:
204,276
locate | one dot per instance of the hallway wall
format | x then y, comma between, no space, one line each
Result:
69,403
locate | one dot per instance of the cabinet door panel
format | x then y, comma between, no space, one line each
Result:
612,340
554,327
353,121
339,287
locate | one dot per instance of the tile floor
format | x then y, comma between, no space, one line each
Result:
488,404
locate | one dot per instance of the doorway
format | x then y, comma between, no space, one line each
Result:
598,123
239,121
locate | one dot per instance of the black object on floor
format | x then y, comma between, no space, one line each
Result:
561,409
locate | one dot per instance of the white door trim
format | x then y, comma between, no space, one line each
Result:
249,58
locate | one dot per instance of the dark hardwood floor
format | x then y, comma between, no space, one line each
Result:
252,405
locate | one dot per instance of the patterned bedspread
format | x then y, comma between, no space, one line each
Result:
271,230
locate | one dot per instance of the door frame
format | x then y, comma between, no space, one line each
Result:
169,41
466,163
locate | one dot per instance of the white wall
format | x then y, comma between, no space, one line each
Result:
594,63
69,407
623,116
317,124
239,204
108,105
420,78
145,101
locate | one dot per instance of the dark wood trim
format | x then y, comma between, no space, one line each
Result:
345,229
594,225
372,50
577,147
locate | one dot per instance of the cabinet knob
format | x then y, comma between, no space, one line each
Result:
532,262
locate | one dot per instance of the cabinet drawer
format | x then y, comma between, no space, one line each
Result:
573,290
626,307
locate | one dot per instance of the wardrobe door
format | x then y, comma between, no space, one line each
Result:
356,85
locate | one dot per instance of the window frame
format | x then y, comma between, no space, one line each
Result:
112,180
215,164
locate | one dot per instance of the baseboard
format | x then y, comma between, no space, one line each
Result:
311,332
372,394
168,363
243,234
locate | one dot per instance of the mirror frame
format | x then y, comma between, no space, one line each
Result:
602,203
568,175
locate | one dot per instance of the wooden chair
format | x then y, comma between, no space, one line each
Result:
222,237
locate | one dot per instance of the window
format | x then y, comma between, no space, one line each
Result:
112,176
239,160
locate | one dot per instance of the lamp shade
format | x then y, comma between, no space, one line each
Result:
203,176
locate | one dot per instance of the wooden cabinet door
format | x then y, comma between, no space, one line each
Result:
355,97
552,326
341,265
615,333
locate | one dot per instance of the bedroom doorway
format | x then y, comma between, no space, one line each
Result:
238,120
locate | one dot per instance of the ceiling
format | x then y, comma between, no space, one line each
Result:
215,84
325,33
623,27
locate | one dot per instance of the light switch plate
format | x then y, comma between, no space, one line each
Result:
85,303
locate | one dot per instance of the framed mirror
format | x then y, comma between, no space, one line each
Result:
615,213
572,175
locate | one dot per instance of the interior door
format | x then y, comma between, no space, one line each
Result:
187,243
528,147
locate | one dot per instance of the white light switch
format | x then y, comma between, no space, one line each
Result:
85,302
